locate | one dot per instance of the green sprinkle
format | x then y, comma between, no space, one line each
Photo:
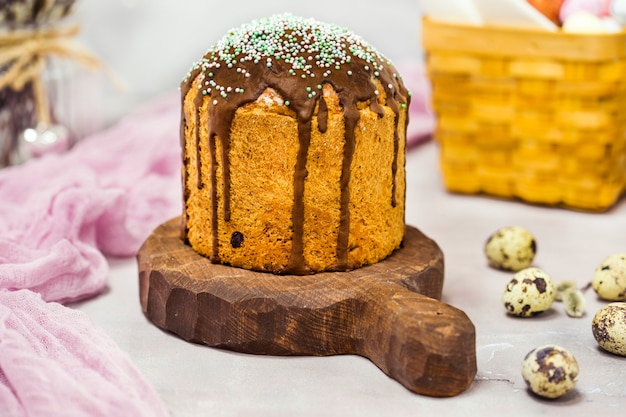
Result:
303,46
287,103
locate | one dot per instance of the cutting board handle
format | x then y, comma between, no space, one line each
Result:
426,345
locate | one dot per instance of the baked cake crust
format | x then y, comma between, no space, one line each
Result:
294,136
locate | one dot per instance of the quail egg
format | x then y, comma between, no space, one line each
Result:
530,292
511,248
550,371
609,280
609,328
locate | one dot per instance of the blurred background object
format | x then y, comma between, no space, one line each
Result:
42,83
151,44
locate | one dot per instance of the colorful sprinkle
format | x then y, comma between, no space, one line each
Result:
303,44
290,45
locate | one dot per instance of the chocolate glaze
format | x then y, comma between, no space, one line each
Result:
229,78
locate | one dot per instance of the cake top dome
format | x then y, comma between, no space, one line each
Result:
296,57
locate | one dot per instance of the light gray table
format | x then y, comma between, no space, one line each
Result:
196,380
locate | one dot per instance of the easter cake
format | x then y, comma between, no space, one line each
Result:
293,136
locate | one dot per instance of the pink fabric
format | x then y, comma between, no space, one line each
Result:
421,117
55,362
59,217
595,7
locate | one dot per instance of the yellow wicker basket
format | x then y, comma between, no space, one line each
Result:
540,116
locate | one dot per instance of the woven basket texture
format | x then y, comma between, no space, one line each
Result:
539,116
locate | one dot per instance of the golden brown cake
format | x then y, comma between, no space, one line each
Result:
293,137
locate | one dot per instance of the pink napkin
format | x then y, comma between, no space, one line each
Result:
421,116
55,362
59,217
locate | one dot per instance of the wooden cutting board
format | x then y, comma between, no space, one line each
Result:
387,312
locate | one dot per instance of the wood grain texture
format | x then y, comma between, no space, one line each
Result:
388,312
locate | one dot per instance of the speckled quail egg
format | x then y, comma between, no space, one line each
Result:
530,292
609,328
511,248
550,371
609,280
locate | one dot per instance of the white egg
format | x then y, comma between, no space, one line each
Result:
609,279
530,292
550,371
583,22
611,25
609,328
511,248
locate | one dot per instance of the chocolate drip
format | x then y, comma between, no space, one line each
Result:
228,79
351,118
394,165
393,104
296,261
218,130
322,116
185,188
214,220
197,104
